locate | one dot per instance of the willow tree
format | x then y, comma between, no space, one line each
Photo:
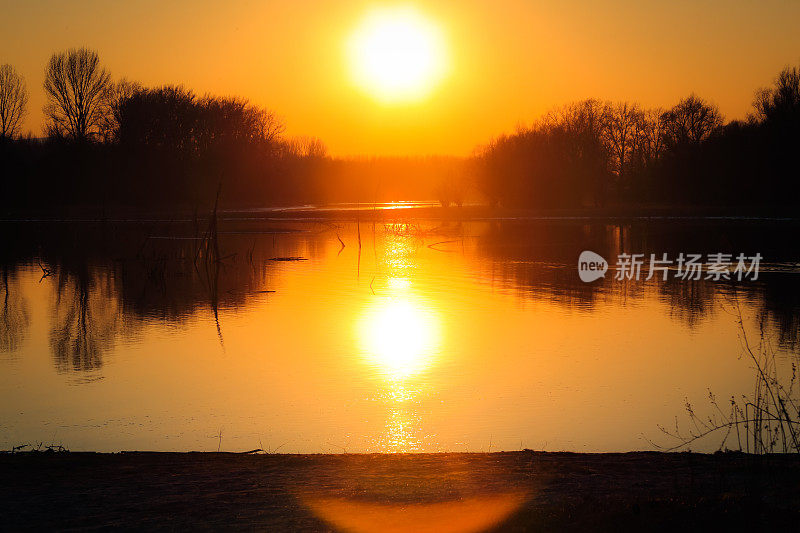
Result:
77,89
13,99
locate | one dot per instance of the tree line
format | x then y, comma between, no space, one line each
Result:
110,142
116,142
594,153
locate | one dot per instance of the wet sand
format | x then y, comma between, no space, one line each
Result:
517,491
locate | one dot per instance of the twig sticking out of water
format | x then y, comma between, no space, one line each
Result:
46,272
209,247
434,245
40,447
342,243
358,231
250,253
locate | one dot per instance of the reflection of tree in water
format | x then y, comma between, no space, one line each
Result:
538,259
109,279
14,319
86,320
781,303
690,301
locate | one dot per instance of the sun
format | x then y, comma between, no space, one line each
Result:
397,54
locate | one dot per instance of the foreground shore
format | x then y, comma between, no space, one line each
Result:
514,491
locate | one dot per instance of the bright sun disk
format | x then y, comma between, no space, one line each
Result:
397,54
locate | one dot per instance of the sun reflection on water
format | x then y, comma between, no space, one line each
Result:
402,434
399,335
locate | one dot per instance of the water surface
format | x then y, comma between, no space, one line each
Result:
429,335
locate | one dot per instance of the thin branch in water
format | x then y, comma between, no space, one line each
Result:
342,243
434,245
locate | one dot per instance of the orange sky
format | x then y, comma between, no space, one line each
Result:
508,60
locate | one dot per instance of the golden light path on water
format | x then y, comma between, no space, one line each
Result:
400,335
400,338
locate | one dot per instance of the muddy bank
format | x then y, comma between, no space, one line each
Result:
516,491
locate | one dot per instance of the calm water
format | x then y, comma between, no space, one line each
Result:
433,335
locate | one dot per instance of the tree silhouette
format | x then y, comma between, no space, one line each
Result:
77,90
622,129
691,121
560,161
13,99
303,146
650,132
118,93
782,101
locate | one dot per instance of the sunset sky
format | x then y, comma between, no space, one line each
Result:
498,63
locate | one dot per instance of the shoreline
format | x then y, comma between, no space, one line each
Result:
507,490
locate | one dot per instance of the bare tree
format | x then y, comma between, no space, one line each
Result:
308,147
646,141
621,134
13,99
651,135
587,118
269,125
782,100
691,121
77,89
